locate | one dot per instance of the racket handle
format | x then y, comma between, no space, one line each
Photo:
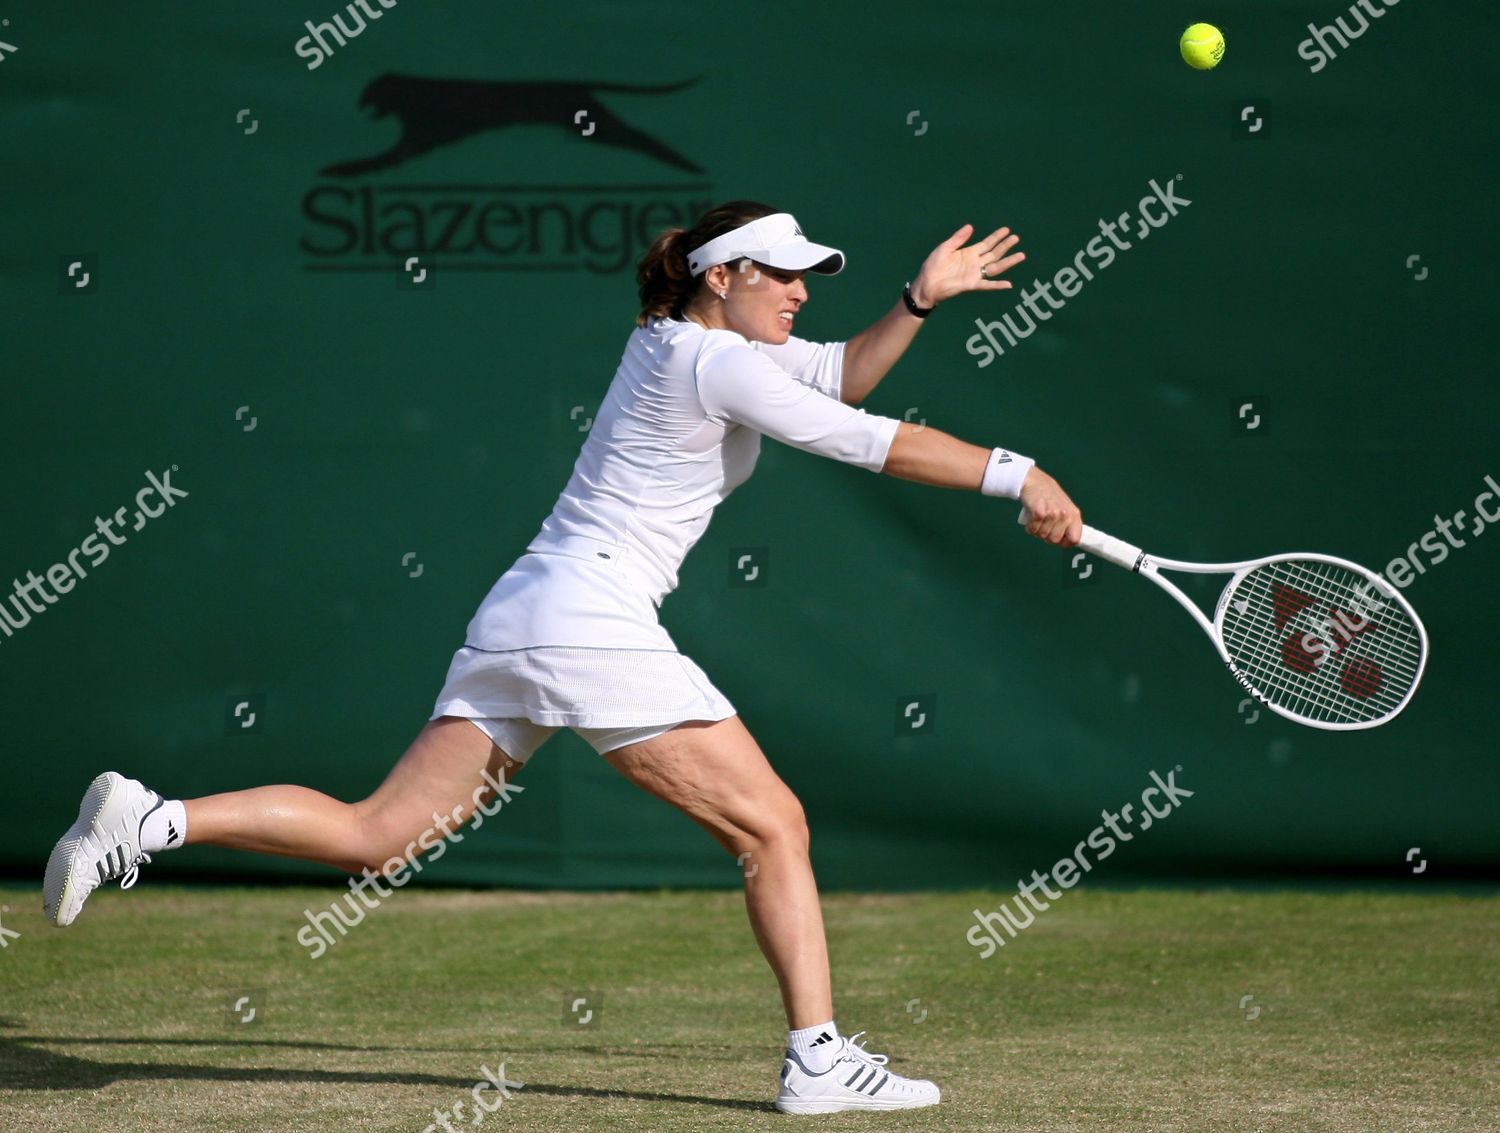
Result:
1096,542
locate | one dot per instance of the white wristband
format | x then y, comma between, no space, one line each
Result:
1004,474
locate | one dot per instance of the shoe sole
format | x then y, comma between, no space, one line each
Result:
836,1105
60,877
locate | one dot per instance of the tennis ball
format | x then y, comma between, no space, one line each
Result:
1202,46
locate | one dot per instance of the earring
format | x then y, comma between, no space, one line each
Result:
723,295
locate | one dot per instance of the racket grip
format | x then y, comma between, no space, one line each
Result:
1096,542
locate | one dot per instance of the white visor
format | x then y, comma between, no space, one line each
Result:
775,241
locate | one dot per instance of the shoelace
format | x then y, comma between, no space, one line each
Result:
132,875
853,1052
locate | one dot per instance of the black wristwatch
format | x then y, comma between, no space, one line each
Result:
911,304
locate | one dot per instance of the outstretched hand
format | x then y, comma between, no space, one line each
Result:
952,269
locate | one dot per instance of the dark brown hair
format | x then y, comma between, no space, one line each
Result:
666,284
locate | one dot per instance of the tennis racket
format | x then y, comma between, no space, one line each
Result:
1316,639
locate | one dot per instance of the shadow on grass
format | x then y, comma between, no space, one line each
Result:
25,1065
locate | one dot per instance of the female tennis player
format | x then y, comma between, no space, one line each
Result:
569,638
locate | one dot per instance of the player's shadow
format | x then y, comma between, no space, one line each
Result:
26,1065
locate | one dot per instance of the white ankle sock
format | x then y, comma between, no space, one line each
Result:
165,828
815,1045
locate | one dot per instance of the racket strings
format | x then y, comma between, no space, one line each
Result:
1322,641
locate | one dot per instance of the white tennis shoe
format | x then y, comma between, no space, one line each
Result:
105,843
856,1080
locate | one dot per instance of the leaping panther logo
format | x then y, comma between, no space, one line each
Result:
439,112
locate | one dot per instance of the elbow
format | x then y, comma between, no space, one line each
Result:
852,389
894,463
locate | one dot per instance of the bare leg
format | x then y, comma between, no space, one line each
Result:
716,774
436,778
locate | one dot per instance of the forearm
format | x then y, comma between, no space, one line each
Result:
869,355
931,456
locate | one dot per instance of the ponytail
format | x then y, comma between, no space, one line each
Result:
667,285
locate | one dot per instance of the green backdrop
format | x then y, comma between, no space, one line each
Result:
363,455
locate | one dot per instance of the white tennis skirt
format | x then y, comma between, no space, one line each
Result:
570,686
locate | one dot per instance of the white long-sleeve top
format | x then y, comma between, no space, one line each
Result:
679,430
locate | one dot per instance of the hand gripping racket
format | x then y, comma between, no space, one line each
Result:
1316,639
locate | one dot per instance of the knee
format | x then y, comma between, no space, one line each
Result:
782,826
379,842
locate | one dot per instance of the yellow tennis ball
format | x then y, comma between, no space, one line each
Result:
1202,46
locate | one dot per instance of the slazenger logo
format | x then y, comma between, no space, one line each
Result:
439,112
599,224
